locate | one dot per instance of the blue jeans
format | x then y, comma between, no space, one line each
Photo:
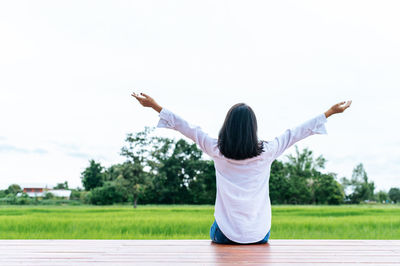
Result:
218,237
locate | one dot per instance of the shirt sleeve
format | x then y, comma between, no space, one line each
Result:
291,136
170,120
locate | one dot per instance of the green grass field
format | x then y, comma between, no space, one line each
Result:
193,222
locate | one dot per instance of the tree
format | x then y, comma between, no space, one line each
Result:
301,168
203,187
394,194
160,161
61,185
382,196
13,189
92,176
326,189
49,195
138,151
361,188
300,181
180,175
279,183
178,172
132,181
112,173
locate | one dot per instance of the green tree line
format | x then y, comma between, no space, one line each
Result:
160,170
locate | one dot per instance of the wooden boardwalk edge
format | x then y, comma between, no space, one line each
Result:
203,252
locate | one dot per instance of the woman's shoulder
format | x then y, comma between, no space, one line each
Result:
267,148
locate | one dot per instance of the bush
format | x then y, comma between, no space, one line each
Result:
105,195
24,201
394,195
3,194
86,197
7,200
48,195
10,199
75,195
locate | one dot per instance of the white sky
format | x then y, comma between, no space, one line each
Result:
67,69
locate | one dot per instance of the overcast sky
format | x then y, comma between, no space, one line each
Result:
67,69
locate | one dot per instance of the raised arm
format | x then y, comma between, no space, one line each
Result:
308,128
170,120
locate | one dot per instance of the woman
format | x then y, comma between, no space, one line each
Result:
242,163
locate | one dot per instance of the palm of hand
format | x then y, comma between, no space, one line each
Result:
340,107
144,99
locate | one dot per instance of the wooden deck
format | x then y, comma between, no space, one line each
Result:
202,252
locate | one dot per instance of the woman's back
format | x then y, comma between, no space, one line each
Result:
242,206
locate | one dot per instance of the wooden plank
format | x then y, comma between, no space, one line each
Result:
191,252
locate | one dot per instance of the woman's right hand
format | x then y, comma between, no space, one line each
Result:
338,108
146,101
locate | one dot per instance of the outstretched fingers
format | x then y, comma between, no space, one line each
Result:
145,95
141,96
140,99
144,99
345,105
135,95
348,104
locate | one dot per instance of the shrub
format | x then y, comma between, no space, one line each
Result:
107,194
75,195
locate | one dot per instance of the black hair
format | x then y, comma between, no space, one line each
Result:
237,138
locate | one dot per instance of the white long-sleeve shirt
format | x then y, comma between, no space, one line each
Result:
242,206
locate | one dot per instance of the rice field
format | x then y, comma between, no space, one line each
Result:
193,222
